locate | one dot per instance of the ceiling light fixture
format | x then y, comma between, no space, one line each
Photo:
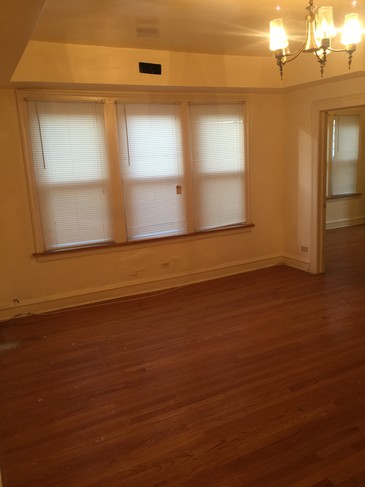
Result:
320,30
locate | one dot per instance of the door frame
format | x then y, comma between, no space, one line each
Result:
319,167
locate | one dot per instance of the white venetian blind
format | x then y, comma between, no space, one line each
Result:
152,167
218,165
345,154
70,160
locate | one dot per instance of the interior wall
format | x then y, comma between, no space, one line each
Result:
303,164
17,23
345,212
283,178
28,285
70,64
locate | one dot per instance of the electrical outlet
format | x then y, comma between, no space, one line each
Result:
303,248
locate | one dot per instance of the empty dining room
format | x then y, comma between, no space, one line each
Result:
182,229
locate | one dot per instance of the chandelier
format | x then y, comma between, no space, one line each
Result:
320,30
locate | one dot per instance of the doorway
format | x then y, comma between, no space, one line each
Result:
341,170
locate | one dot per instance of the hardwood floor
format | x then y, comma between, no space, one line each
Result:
252,380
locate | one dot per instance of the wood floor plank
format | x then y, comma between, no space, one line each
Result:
253,380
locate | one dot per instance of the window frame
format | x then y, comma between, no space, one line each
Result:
331,169
109,101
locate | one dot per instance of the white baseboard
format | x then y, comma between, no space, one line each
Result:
348,222
122,290
292,261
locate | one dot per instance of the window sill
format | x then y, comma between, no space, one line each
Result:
343,196
117,247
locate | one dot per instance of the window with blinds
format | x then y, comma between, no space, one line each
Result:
71,168
343,154
113,171
218,165
150,142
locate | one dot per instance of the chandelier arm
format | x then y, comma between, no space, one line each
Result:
331,49
293,55
350,49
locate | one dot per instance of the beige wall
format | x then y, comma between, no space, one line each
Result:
69,64
55,283
303,162
345,211
283,164
17,23
47,62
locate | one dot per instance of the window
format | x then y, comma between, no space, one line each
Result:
106,171
71,169
150,142
343,154
218,165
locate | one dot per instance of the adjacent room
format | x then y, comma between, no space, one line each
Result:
182,265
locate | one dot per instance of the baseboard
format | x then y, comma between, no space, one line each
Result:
348,222
300,264
122,290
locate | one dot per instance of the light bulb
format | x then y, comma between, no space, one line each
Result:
278,38
352,30
325,27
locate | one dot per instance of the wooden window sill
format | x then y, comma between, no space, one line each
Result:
113,247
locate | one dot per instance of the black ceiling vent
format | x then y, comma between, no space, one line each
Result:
150,68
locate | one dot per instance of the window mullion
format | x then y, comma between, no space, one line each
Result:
116,183
188,168
246,183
